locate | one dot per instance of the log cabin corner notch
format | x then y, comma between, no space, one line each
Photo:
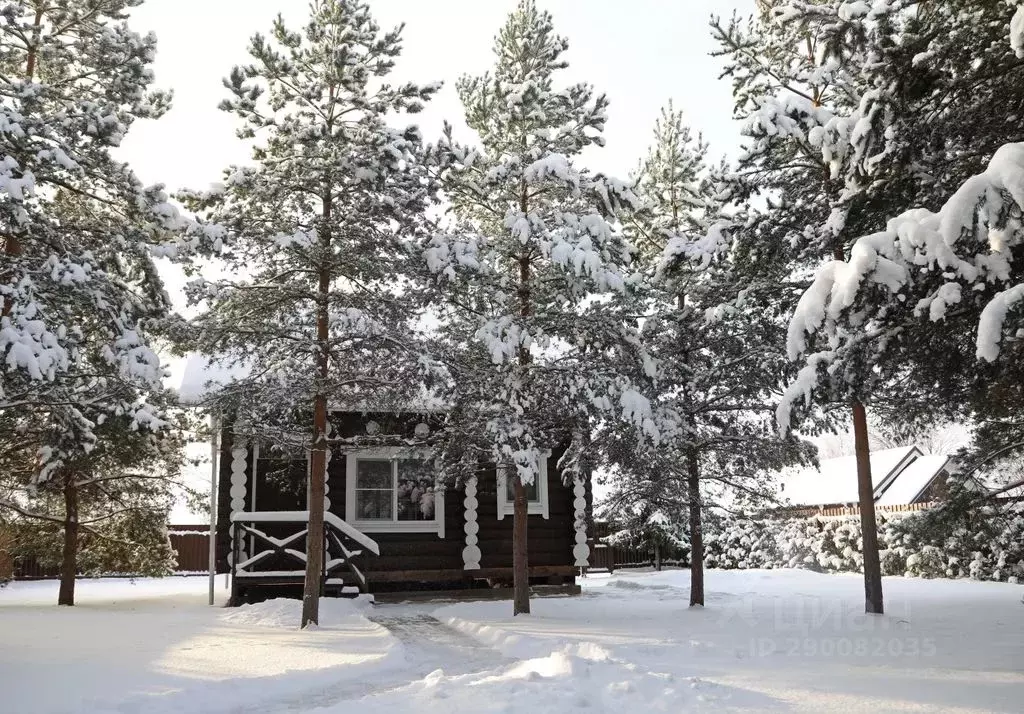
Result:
392,525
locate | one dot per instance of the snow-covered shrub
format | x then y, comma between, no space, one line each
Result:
741,545
959,541
940,543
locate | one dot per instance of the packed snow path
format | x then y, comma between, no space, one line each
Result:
431,645
789,641
428,646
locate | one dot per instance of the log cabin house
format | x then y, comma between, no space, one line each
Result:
391,525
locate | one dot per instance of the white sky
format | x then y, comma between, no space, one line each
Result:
641,54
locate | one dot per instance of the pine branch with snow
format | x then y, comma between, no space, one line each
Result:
319,229
80,297
527,277
711,363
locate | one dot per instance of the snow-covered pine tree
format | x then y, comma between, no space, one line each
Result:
312,304
673,181
106,510
523,283
967,106
926,279
79,291
818,154
714,363
644,518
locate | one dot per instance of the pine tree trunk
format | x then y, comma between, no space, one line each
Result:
12,246
696,531
657,556
520,560
866,495
520,520
313,584
69,556
315,525
868,526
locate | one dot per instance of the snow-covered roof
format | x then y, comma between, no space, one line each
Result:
836,479
913,480
200,377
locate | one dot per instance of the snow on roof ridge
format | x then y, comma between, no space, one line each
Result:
835,481
913,480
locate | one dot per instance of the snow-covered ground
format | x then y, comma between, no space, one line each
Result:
768,641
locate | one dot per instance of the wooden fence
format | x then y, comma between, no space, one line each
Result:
607,556
840,511
191,543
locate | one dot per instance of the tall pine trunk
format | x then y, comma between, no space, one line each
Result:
520,560
696,530
318,458
868,525
693,493
520,557
69,554
12,245
866,496
12,248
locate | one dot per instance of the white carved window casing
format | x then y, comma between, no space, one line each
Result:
536,492
393,490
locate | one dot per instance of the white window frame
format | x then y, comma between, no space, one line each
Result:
373,526
533,508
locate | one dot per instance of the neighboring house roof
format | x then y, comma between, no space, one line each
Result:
913,480
835,482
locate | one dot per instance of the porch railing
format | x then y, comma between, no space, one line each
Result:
258,556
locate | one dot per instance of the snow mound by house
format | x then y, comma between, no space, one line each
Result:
287,612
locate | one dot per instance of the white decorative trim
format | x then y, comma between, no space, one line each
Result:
253,463
252,471
239,452
580,551
471,553
533,508
439,495
392,453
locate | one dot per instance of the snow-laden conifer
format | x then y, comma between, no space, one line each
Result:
80,296
894,309
527,279
819,145
310,304
713,365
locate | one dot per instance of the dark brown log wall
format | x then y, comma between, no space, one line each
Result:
550,540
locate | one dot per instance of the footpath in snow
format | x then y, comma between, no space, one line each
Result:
767,641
